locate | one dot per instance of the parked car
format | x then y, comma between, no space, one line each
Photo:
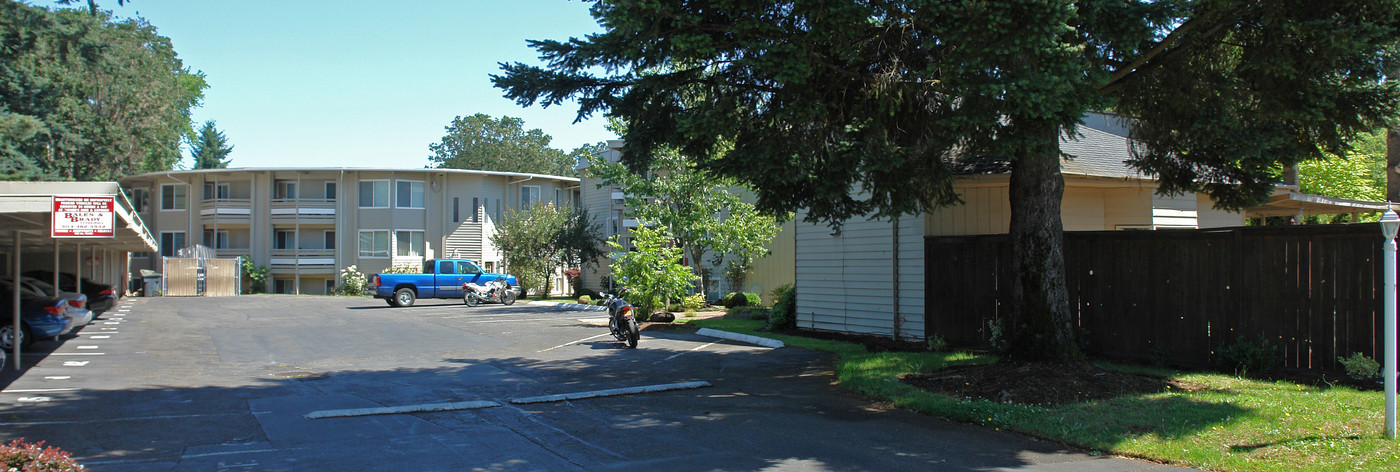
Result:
101,297
76,302
41,317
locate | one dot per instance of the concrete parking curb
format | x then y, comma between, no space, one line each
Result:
611,392
743,338
431,407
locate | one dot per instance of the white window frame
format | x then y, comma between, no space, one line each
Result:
372,253
220,191
284,190
173,248
331,192
414,187
422,243
374,183
525,194
178,194
218,236
277,239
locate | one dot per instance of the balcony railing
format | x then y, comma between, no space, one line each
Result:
225,210
288,210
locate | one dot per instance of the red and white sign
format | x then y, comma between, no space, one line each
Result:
84,217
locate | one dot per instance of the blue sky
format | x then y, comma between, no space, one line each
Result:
312,83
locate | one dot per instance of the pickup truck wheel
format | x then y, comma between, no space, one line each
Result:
404,297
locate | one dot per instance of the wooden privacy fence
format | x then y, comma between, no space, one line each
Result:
1180,296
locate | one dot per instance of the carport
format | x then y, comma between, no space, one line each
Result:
91,235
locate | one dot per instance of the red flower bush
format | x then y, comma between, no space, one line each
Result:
34,457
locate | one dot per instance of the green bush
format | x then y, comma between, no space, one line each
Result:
585,300
1360,367
784,312
752,299
748,313
256,274
936,343
693,302
1247,356
21,456
675,307
736,299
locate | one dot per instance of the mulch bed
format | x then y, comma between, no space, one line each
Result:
1041,383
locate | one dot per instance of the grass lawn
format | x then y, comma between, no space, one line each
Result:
1232,424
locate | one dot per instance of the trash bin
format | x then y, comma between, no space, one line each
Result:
152,285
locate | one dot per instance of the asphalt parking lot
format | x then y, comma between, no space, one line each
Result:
277,382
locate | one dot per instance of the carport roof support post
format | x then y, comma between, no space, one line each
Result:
14,299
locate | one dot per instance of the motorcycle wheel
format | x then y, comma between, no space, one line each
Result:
633,334
507,298
470,300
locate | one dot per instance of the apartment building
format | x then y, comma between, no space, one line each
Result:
306,224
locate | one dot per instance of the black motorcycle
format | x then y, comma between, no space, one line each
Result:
621,322
495,291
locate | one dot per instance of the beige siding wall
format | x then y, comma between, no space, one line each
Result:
1082,208
1209,217
846,281
1127,208
777,268
985,210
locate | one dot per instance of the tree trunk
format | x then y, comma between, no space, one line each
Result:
1039,322
1392,160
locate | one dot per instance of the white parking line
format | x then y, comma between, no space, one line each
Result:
33,399
678,354
78,354
611,392
576,342
38,390
88,347
75,363
99,337
58,377
390,410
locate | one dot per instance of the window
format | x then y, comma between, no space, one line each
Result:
213,191
467,267
285,189
447,267
140,255
476,210
282,285
456,210
498,210
216,240
140,199
330,195
559,198
529,195
330,283
374,194
172,197
409,194
286,239
374,244
408,243
171,242
330,240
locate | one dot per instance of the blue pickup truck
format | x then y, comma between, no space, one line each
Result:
441,278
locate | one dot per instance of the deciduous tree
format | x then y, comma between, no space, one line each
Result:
846,108
480,142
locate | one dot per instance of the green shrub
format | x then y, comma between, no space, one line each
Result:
21,456
1360,367
693,302
996,335
936,343
256,274
1247,356
733,300
748,313
585,300
752,299
784,312
674,307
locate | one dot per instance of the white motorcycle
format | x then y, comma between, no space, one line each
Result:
495,291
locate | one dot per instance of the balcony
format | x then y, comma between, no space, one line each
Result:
303,210
305,261
225,211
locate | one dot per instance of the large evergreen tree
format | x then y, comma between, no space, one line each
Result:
857,107
210,149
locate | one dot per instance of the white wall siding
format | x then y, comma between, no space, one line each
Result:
846,281
1178,211
1209,217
